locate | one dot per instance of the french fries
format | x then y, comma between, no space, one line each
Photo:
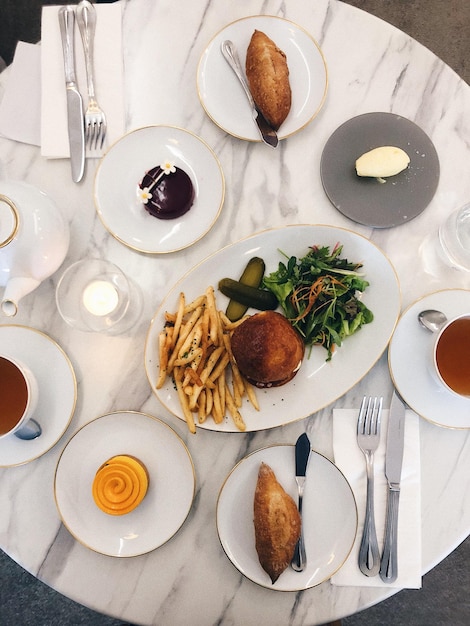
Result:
194,350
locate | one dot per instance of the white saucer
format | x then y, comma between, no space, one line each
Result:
57,391
222,96
329,517
168,499
410,362
124,165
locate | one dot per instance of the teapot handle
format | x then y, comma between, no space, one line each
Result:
10,222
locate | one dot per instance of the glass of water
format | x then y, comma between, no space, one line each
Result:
454,238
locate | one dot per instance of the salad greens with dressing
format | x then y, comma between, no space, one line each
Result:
318,295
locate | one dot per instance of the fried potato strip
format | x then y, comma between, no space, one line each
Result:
195,351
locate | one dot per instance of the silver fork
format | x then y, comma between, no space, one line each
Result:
368,436
95,119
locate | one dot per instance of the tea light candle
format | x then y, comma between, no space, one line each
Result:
100,298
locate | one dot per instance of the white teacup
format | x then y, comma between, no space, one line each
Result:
451,355
18,395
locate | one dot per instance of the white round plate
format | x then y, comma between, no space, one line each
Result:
168,499
222,95
329,516
318,382
124,165
410,361
366,200
57,391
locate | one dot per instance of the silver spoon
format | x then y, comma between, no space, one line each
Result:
432,320
31,430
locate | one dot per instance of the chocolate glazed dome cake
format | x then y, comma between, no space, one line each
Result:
166,192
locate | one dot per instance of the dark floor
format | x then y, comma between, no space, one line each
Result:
444,27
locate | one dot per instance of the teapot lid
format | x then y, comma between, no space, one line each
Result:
9,220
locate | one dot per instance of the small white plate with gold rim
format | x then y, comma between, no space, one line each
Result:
170,492
123,167
329,517
410,361
57,392
222,96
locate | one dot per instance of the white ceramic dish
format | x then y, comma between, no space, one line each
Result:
223,97
57,393
318,382
329,517
410,361
123,167
168,499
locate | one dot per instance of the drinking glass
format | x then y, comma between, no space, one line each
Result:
454,238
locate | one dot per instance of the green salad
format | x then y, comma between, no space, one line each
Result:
318,295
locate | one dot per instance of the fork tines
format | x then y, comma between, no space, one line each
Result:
368,422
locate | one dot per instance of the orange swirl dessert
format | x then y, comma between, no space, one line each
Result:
120,485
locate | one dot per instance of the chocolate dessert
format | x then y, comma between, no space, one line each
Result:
166,192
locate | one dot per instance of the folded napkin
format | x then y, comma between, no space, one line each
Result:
109,86
351,461
20,109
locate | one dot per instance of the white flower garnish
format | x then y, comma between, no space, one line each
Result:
144,194
168,167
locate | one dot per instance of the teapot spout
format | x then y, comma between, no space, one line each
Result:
16,289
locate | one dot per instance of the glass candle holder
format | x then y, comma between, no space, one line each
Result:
94,295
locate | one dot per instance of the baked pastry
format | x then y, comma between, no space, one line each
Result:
268,77
267,349
277,523
166,192
120,484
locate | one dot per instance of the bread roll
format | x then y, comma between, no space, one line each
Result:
277,523
268,78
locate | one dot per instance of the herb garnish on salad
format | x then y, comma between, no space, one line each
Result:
318,295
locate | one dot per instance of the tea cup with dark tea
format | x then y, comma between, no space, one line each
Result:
18,395
452,356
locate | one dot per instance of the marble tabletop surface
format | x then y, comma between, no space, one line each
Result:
371,67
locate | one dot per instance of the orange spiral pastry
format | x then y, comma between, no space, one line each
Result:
120,485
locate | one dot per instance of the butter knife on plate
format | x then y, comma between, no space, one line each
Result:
76,123
267,132
393,465
302,455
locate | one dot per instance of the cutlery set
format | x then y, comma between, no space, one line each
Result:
85,128
368,437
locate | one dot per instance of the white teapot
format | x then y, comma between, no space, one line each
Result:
34,239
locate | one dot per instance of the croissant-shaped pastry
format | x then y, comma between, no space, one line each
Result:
277,523
268,78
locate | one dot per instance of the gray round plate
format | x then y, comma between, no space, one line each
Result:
366,200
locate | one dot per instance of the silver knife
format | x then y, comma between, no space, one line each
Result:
267,132
76,123
393,463
302,455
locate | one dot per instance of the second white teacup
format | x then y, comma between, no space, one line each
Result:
451,355
18,395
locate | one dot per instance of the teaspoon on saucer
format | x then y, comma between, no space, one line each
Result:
31,430
432,320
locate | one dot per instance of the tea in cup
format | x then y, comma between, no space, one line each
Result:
452,355
18,395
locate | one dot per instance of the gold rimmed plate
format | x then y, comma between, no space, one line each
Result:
329,517
411,366
318,382
222,96
123,167
57,392
170,492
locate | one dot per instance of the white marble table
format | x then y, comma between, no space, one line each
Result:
372,67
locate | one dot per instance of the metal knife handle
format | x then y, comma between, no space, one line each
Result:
389,562
67,25
299,560
230,53
86,20
369,557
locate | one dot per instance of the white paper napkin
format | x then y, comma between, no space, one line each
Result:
351,461
20,109
109,85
